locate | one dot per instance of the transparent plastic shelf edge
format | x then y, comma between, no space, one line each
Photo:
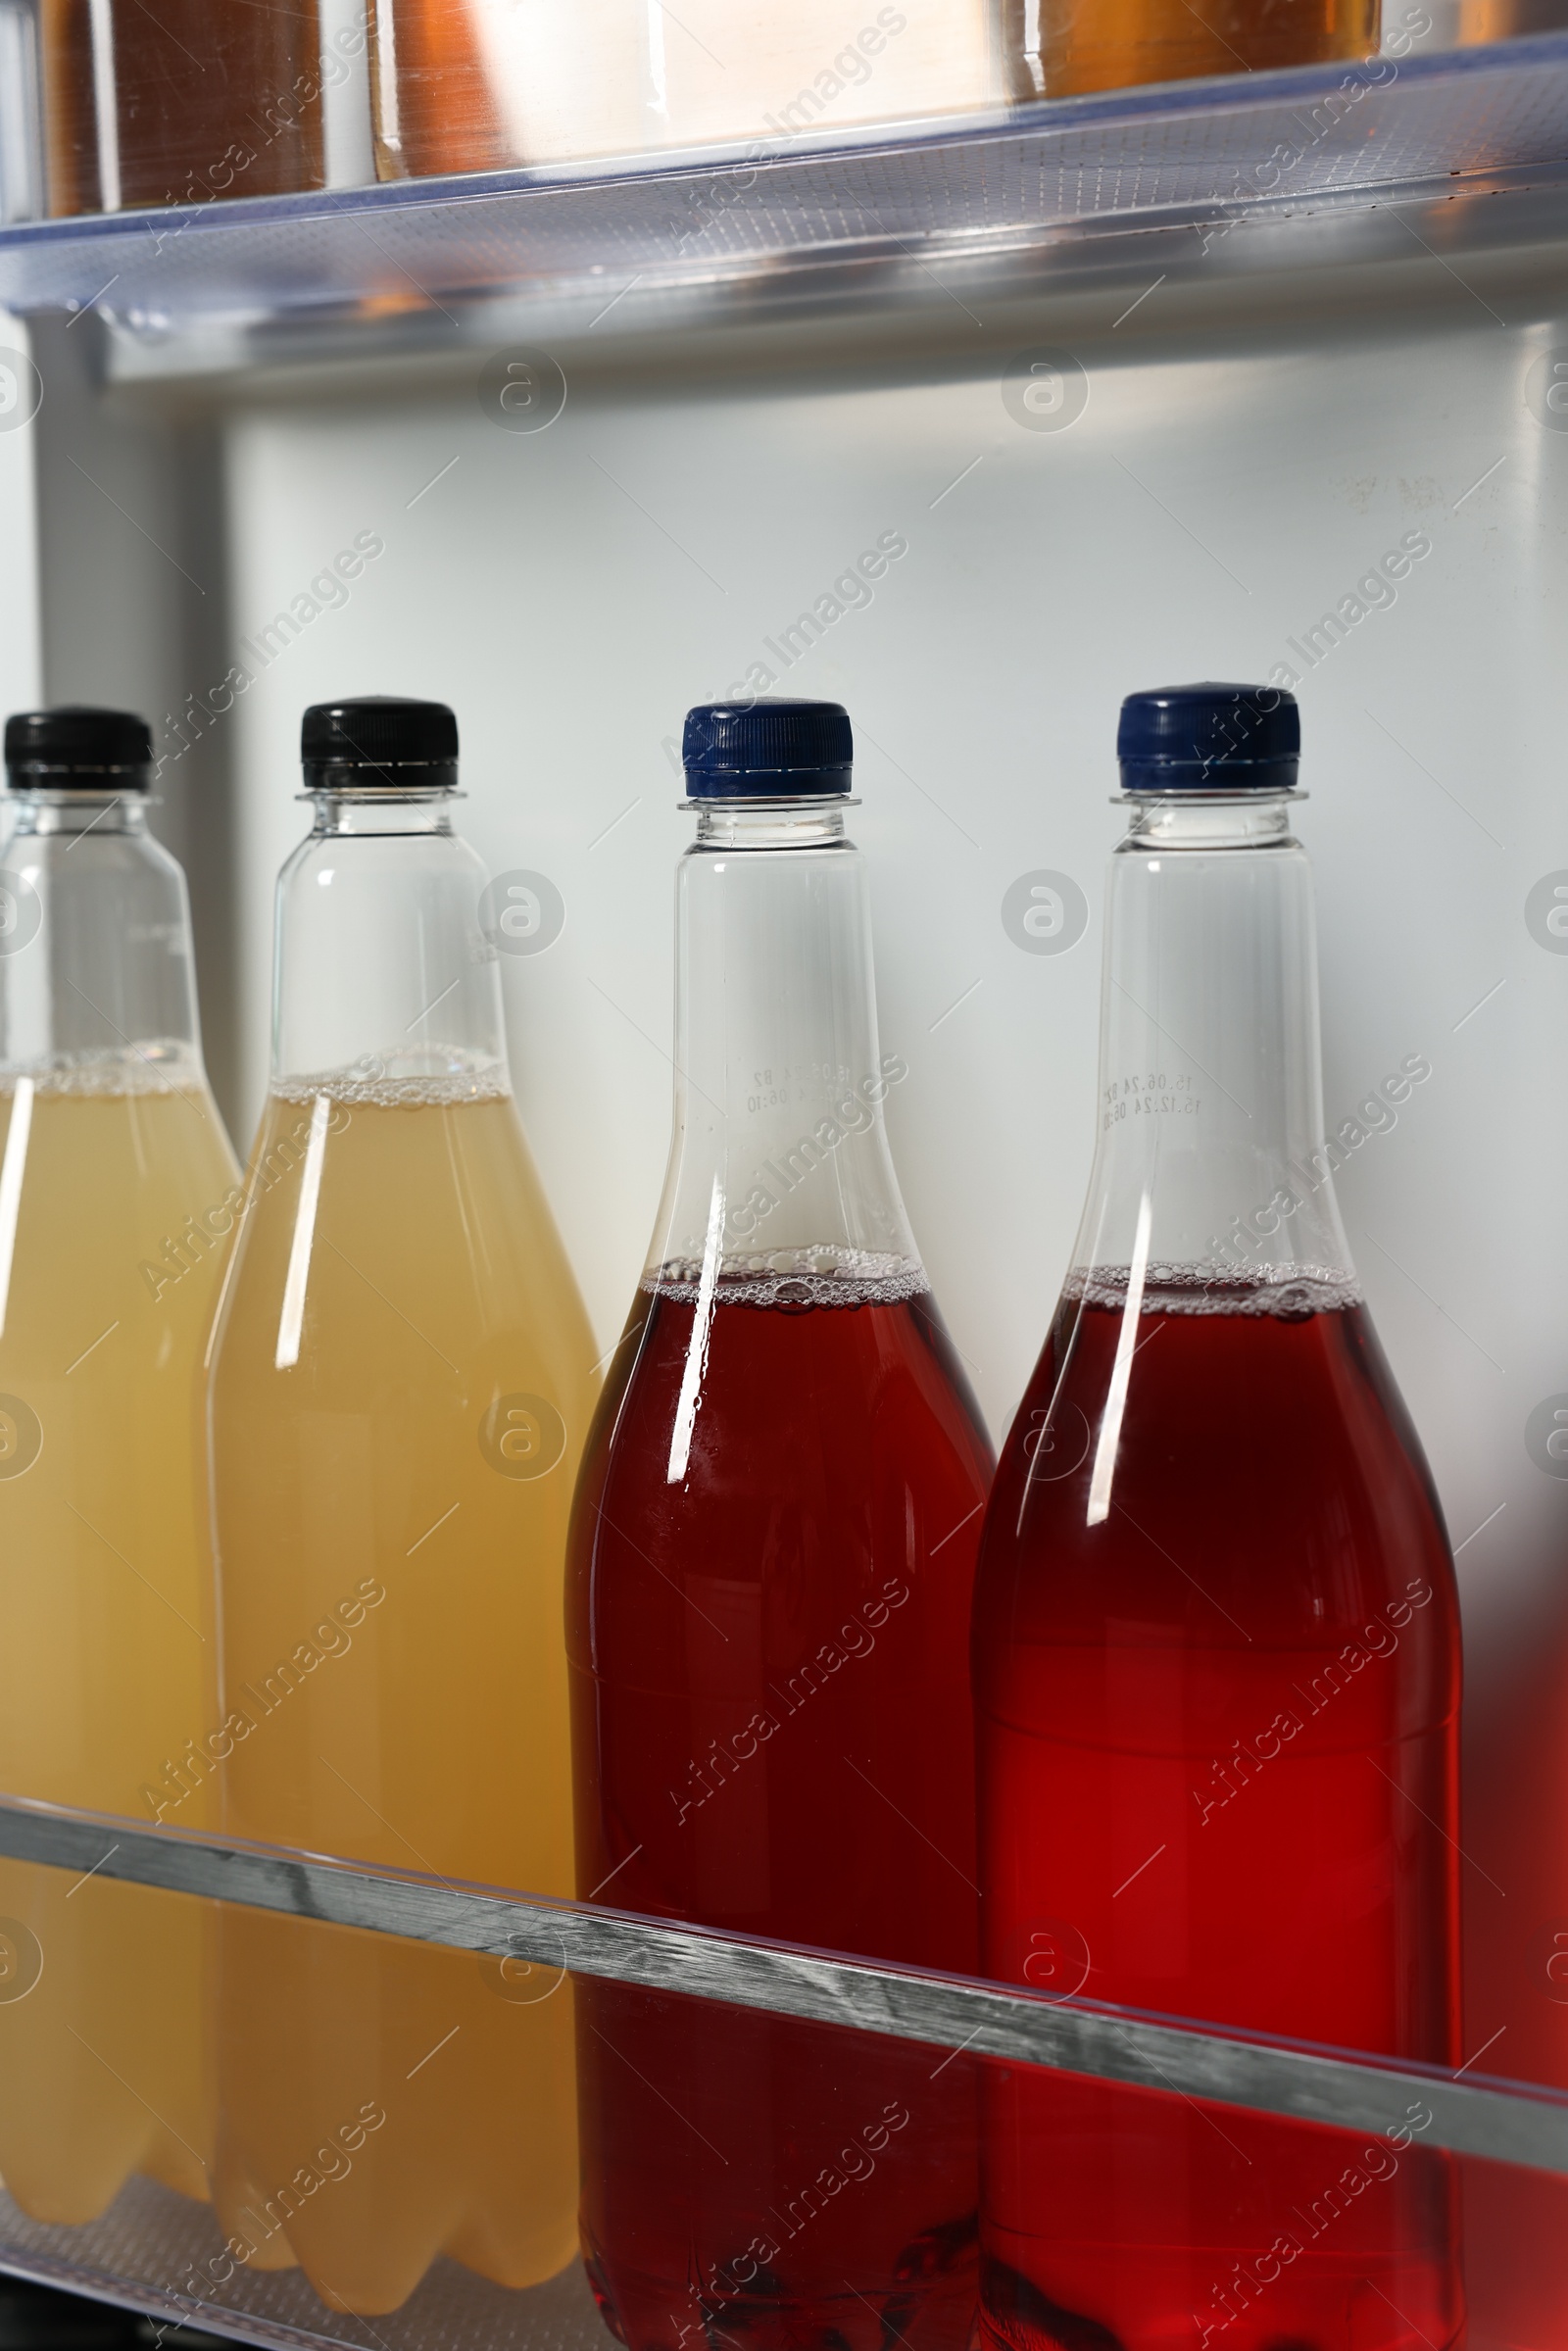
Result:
1522,2124
1376,129
1212,98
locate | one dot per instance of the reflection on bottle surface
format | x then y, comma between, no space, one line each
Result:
1481,21
1216,1641
1217,1730
118,1191
402,1378
391,1633
772,1557
101,1603
189,103
1061,48
473,86
772,1739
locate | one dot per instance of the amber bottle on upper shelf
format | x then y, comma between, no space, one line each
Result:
1063,48
189,103
483,85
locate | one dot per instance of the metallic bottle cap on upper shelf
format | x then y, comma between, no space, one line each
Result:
1209,738
77,748
778,750
379,743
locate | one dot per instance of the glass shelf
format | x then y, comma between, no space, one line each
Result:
955,189
1511,2122
1270,2137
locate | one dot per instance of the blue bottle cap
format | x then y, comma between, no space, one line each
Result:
777,749
1209,738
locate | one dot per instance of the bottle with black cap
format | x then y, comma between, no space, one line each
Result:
117,1191
772,1556
1216,1634
402,1376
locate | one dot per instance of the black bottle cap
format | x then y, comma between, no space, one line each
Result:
775,750
379,743
77,748
1209,738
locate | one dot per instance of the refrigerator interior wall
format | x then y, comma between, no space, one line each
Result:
19,656
1250,452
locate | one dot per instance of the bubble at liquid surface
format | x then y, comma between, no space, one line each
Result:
1283,1293
159,1066
827,1276
370,1085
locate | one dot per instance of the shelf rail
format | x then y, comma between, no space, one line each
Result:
1479,2116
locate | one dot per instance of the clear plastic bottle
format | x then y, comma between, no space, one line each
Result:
193,102
118,1188
1063,48
1216,1641
473,86
771,1564
402,1377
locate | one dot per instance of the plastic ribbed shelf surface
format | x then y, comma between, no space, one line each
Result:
145,2248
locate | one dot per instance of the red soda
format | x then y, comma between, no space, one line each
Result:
1217,1740
773,1737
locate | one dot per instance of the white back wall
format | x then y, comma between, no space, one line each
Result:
19,602
572,590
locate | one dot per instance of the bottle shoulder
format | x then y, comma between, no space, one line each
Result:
419,1249
803,1396
1265,1489
823,1449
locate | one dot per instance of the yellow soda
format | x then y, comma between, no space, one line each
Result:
118,1190
402,1377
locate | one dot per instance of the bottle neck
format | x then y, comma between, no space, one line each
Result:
385,986
48,812
1211,1161
97,975
781,1166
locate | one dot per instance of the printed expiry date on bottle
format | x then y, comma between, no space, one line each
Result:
1152,1094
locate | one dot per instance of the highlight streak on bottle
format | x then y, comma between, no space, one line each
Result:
12,1172
365,1472
658,78
291,1321
768,1628
1121,1371
691,1385
101,22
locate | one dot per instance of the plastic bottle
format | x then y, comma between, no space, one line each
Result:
118,1190
1063,48
189,103
473,85
402,1375
1216,1643
771,1564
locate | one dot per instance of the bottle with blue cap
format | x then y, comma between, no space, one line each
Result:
1216,1641
768,1604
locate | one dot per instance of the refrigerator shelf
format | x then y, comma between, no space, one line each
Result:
1492,2118
730,220
147,2250
166,2255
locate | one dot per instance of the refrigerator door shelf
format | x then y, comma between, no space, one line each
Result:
947,190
